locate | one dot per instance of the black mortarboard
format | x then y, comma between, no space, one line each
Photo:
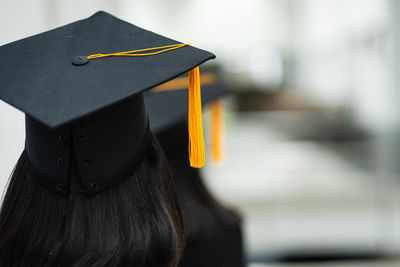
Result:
80,86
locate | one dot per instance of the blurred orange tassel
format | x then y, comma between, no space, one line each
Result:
216,130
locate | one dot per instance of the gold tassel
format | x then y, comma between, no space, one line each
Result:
216,130
197,155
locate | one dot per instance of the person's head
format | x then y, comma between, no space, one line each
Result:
95,192
92,187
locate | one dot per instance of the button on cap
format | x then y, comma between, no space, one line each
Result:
80,60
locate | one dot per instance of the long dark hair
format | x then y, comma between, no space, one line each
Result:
213,231
136,223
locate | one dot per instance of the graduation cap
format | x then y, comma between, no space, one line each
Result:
167,105
81,86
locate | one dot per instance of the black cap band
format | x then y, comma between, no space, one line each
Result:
106,181
101,183
100,150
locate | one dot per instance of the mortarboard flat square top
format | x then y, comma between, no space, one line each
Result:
37,75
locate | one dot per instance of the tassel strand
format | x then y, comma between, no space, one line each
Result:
216,130
197,156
